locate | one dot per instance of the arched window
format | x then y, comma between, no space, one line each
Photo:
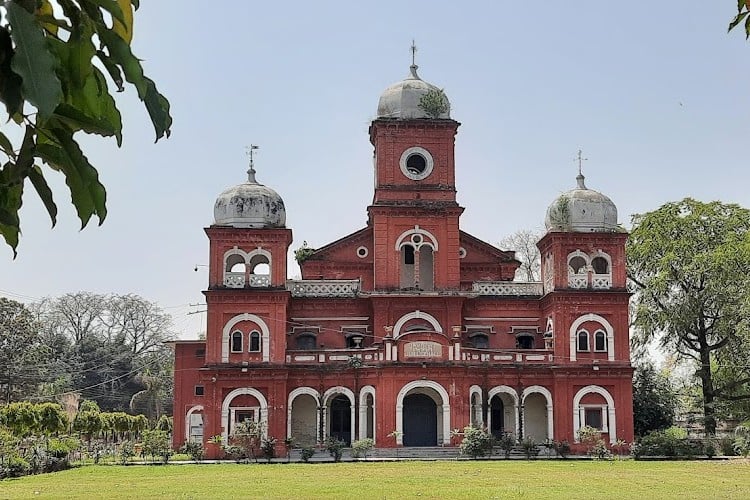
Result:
234,269
407,266
416,247
306,341
236,341
600,265
583,341
600,341
255,341
480,341
260,270
524,341
577,264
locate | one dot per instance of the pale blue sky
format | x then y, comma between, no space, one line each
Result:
656,94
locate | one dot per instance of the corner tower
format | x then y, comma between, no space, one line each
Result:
414,213
246,294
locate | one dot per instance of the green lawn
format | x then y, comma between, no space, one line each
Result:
448,479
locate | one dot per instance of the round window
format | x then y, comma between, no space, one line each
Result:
416,239
416,163
362,252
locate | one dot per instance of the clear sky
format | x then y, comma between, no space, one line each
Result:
654,92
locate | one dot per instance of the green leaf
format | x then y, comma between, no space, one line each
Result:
10,82
158,109
737,20
63,153
11,191
6,146
112,69
110,6
44,192
81,53
747,28
121,54
33,61
77,119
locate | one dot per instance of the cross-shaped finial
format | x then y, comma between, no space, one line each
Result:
413,53
580,159
249,151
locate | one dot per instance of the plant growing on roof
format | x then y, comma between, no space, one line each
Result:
303,253
434,103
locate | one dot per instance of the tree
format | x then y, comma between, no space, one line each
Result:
523,242
22,356
689,263
743,9
654,400
56,69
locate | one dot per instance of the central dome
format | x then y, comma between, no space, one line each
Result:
582,210
250,205
412,98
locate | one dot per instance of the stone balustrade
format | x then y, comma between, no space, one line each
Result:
260,280
507,288
323,288
234,280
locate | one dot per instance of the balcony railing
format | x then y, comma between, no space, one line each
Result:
493,356
507,288
323,288
234,280
260,280
601,281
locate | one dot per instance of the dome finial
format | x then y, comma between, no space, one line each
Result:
413,68
580,178
251,171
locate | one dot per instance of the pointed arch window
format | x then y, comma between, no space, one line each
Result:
254,341
236,341
583,341
600,341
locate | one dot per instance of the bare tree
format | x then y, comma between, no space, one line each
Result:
523,242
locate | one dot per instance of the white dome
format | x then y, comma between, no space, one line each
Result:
250,205
402,100
582,210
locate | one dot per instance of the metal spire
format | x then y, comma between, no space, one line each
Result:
251,171
413,53
580,178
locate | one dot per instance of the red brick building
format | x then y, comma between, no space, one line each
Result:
409,324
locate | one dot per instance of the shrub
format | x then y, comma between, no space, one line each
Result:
61,448
596,447
710,449
194,450
15,466
307,453
268,448
236,453
529,447
726,445
361,447
157,444
127,451
506,443
476,442
335,447
562,448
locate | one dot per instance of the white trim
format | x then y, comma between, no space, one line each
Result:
192,410
550,413
333,318
417,230
475,389
429,163
504,389
446,407
263,417
598,319
606,344
416,315
368,389
578,340
265,335
585,257
609,424
605,256
335,391
299,391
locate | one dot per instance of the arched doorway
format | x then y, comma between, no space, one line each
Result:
497,417
420,420
341,419
303,414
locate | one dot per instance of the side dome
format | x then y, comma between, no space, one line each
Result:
250,205
582,210
412,98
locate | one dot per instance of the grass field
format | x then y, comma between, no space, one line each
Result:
448,479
